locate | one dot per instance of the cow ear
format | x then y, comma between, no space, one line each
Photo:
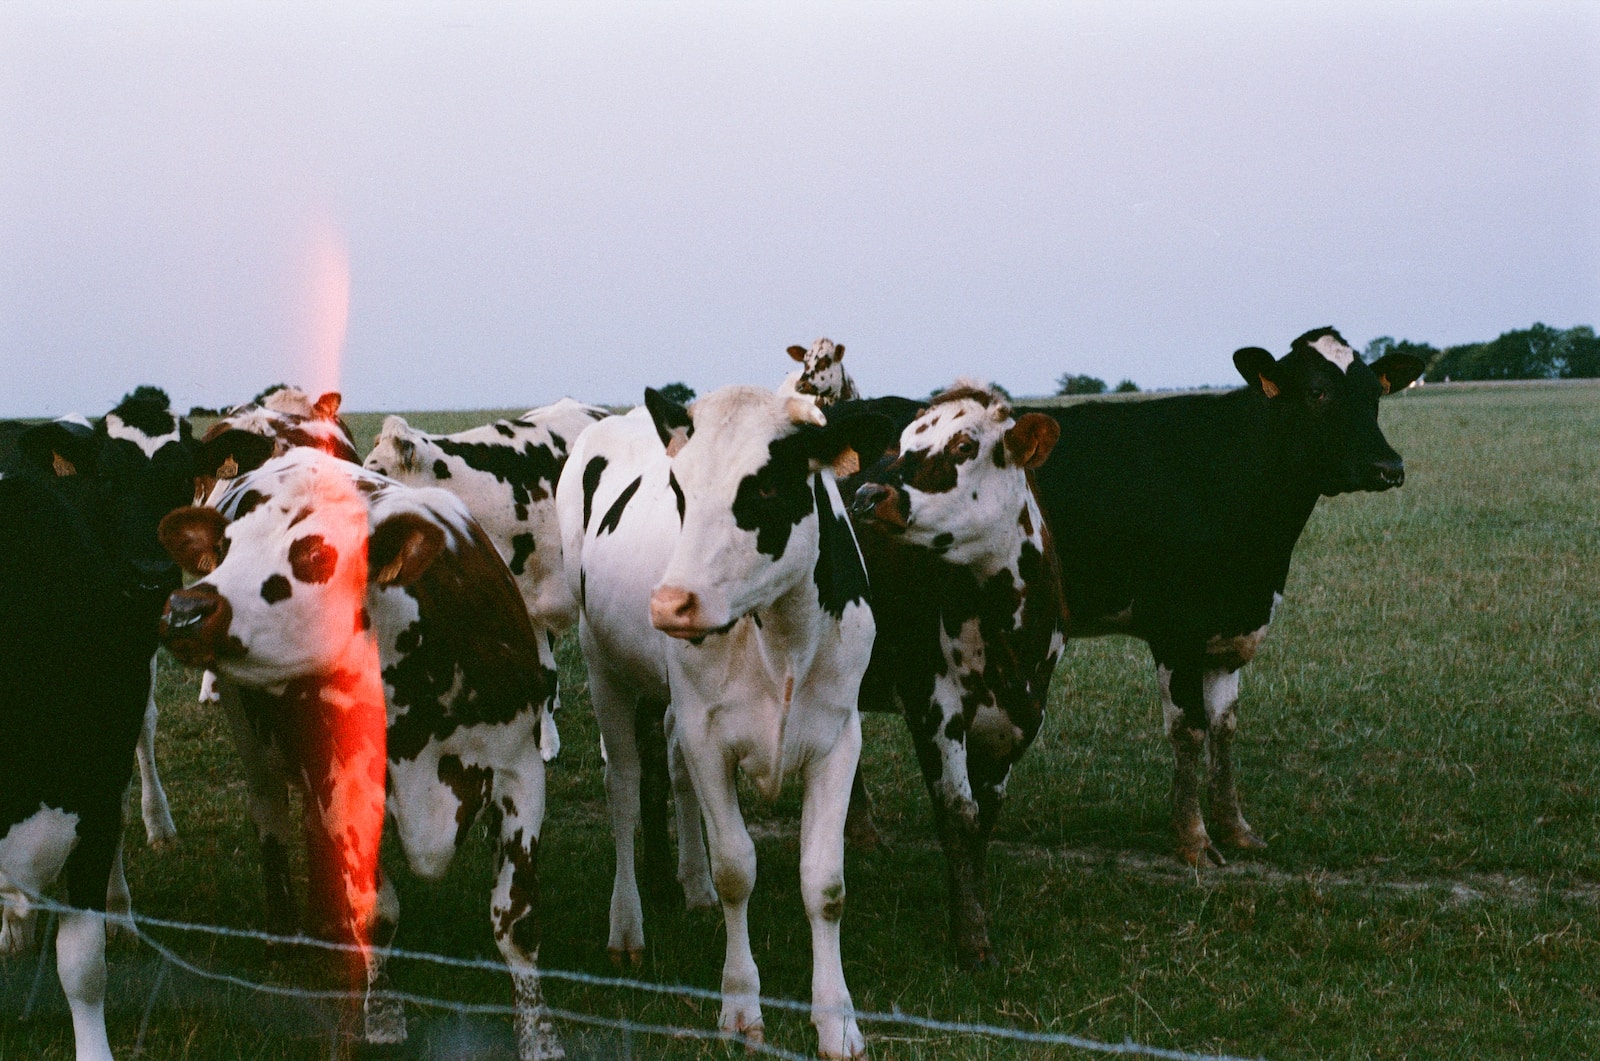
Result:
59,447
327,406
1396,372
192,536
671,419
838,353
401,548
1031,439
798,353
1258,367
232,453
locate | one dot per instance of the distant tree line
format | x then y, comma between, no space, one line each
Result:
1539,352
1071,384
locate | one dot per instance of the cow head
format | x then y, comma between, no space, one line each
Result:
286,560
394,451
286,419
744,464
122,490
1329,397
822,375
960,481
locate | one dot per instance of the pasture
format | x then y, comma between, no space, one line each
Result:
1419,744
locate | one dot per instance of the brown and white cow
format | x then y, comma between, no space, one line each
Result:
505,473
821,375
715,567
968,605
331,592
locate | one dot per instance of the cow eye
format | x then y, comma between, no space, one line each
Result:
966,448
767,492
1317,394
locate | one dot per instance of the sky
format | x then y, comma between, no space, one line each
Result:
490,205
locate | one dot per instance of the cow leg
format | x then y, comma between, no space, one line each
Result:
267,799
939,735
1184,715
654,784
616,716
81,965
549,738
694,867
733,870
518,798
1221,690
153,808
119,901
384,1018
859,827
32,854
822,823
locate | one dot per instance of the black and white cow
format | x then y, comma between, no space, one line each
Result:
331,592
505,473
967,599
286,419
1175,519
82,581
821,374
715,567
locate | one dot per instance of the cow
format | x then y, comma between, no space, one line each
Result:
327,591
967,599
715,569
505,473
1175,519
82,581
821,375
145,418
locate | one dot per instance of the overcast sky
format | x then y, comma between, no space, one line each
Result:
468,205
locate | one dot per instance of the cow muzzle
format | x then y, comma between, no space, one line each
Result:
677,612
194,625
882,504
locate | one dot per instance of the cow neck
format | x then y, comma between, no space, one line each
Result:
1285,488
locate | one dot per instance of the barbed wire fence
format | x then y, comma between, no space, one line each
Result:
169,960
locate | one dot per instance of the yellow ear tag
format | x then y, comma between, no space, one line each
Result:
1269,388
63,466
228,469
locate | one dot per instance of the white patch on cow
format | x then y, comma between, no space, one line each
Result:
1220,691
32,853
116,427
1335,351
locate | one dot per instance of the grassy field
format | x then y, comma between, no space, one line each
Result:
1420,745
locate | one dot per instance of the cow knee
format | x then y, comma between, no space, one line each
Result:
824,895
733,872
81,956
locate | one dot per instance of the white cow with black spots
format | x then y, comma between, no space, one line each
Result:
715,568
332,593
505,473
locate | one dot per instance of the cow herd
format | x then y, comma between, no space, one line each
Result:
747,574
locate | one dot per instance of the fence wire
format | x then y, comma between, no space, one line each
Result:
170,959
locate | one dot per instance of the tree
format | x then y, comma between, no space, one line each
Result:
1127,386
1070,384
681,393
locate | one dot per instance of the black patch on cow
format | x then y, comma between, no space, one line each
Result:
583,588
943,540
300,516
613,516
840,577
247,503
776,497
505,429
440,470
276,588
363,620
522,547
930,473
591,482
531,470
471,785
312,559
677,492
147,409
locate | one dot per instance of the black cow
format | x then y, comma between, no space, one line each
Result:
1175,518
82,583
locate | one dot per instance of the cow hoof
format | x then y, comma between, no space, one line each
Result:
1245,840
975,957
1201,854
633,956
862,835
844,1042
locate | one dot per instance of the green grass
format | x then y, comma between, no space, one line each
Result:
1420,744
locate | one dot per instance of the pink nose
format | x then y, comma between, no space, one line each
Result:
673,609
